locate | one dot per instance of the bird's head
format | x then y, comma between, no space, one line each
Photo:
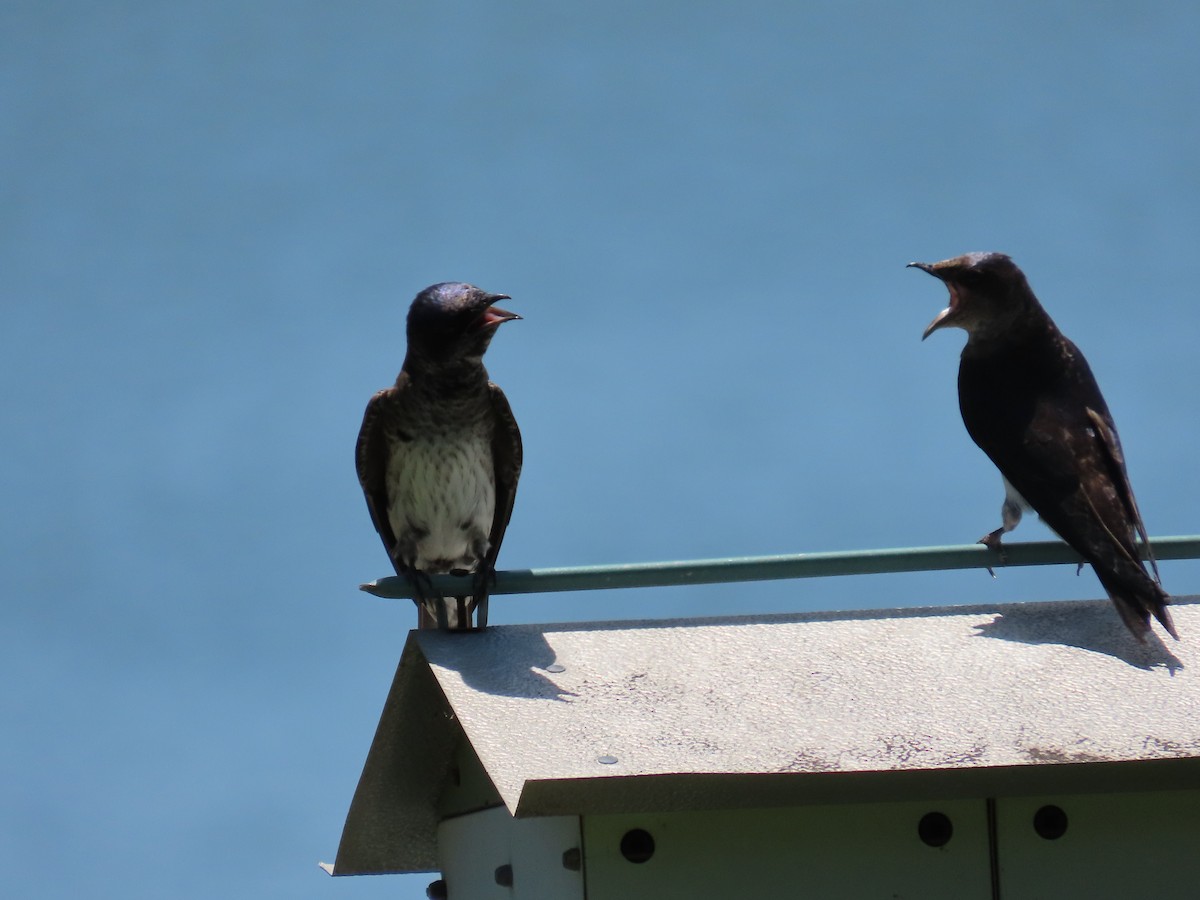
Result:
452,321
988,293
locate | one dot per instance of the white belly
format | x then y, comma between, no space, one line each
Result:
441,503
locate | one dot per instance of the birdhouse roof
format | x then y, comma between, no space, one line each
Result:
861,706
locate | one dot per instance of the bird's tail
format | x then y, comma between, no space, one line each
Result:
1136,595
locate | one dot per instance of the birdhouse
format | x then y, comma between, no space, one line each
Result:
1015,751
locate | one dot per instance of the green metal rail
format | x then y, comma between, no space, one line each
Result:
768,568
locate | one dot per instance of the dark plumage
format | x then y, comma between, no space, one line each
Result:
439,453
1029,400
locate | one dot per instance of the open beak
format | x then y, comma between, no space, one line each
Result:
939,321
494,316
942,318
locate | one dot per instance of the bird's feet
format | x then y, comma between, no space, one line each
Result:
431,607
991,540
449,613
466,606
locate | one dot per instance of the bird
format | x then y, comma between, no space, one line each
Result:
439,453
1029,400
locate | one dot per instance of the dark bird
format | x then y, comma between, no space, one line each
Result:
439,453
1029,400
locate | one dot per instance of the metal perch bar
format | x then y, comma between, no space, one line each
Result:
768,568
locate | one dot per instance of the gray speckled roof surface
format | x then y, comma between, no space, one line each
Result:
708,713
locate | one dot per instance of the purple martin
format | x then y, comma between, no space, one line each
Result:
1029,400
439,453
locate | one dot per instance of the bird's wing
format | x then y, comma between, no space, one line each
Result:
507,458
1114,458
371,460
1098,516
1060,451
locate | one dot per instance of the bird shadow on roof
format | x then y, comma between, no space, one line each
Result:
508,663
1088,632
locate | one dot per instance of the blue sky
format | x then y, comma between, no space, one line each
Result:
215,215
